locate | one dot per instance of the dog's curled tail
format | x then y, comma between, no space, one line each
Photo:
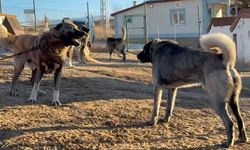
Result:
123,34
225,44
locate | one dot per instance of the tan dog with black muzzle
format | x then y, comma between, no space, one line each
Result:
49,56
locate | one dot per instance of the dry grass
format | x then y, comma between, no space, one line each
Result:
107,106
101,32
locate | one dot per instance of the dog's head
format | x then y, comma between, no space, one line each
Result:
69,33
85,39
146,54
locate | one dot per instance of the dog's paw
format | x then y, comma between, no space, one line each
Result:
166,119
227,145
154,121
56,103
13,93
31,101
243,138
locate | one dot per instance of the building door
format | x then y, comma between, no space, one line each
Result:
136,30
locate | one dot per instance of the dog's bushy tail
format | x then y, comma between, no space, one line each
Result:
123,33
225,44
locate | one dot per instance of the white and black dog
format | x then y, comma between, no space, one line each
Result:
175,66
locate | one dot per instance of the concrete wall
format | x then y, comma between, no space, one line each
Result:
243,40
119,19
222,29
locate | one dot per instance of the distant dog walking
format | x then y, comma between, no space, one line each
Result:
175,66
118,44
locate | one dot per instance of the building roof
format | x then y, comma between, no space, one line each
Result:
147,2
7,15
243,13
225,21
12,24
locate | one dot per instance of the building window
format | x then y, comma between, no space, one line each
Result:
129,19
178,17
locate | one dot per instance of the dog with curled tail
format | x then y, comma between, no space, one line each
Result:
175,66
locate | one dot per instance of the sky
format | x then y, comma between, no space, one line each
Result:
57,9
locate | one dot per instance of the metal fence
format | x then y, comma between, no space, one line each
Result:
136,30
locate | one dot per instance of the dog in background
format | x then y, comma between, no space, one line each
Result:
175,66
118,44
82,50
48,57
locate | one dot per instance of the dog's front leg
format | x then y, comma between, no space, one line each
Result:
80,54
57,80
157,102
170,104
110,54
35,89
32,80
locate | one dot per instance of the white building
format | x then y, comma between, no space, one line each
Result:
240,29
180,19
221,25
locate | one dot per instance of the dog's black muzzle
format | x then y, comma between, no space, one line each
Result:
77,35
144,58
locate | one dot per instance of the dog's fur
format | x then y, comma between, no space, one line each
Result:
118,44
175,66
82,50
51,49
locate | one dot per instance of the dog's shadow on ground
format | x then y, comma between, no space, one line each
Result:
94,89
9,134
116,64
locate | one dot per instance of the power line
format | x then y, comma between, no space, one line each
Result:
1,8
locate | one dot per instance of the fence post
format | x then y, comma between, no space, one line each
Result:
145,23
126,29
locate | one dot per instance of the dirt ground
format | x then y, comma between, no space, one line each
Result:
107,106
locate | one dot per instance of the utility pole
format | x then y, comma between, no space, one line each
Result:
34,8
105,13
228,8
236,7
1,7
88,14
199,21
145,23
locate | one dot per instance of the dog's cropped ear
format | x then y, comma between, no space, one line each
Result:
58,26
155,41
85,29
149,46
